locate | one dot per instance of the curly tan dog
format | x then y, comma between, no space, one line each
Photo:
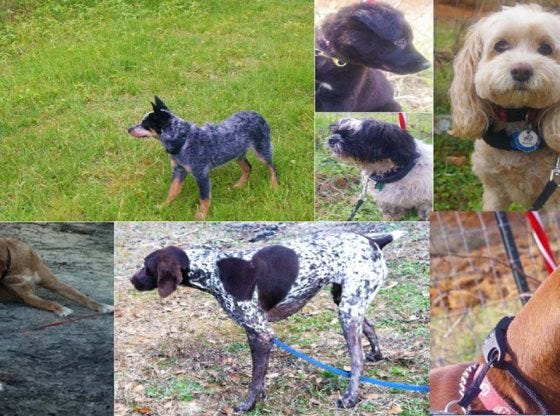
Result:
506,95
21,269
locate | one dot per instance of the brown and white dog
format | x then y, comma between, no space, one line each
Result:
21,270
533,343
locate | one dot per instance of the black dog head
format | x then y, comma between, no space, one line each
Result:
374,35
164,269
154,122
369,141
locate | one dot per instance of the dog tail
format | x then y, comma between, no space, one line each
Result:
382,240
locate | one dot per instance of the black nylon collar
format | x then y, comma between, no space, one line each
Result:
398,174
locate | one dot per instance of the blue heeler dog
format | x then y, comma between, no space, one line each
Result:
197,150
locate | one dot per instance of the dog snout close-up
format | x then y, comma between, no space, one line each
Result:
505,95
352,45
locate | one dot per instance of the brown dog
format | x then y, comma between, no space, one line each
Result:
533,340
21,269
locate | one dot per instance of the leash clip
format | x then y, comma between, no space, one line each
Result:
494,346
555,172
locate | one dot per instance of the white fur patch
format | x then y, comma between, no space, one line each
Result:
352,124
65,311
107,308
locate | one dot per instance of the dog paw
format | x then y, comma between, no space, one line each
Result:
106,308
347,401
162,206
371,356
244,407
65,311
200,216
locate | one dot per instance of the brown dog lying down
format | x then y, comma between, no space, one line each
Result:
21,269
533,349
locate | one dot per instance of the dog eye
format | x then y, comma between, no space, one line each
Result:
401,43
545,49
501,46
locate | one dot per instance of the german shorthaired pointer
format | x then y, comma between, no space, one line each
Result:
259,287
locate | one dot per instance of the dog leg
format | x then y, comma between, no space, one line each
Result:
25,293
203,181
177,180
369,331
49,281
245,171
265,155
367,327
391,212
260,344
352,330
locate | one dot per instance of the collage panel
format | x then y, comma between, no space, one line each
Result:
186,291
56,322
77,81
373,56
373,166
497,92
494,307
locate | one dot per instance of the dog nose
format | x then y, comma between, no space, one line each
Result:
333,140
130,129
522,72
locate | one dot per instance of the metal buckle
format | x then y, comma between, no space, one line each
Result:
494,346
555,172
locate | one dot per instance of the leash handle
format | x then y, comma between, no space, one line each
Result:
545,195
549,188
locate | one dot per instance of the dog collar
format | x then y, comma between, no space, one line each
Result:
397,175
523,140
8,267
322,54
475,384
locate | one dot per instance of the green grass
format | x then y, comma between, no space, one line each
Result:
338,184
76,74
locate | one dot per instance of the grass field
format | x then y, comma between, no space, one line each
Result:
76,74
182,355
338,184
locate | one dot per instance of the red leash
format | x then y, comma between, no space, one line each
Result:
402,121
542,240
78,318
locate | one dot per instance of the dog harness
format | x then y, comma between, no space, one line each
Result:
475,383
525,140
8,266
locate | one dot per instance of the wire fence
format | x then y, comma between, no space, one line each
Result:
472,284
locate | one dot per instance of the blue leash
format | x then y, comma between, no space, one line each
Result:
326,367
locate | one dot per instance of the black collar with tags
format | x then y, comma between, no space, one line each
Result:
502,139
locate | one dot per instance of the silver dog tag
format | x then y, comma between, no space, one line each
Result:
526,140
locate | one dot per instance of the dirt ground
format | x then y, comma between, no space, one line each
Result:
66,369
183,356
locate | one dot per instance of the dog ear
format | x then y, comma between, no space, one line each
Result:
238,277
169,276
385,25
469,111
159,104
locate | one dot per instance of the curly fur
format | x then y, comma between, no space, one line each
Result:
514,38
380,148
